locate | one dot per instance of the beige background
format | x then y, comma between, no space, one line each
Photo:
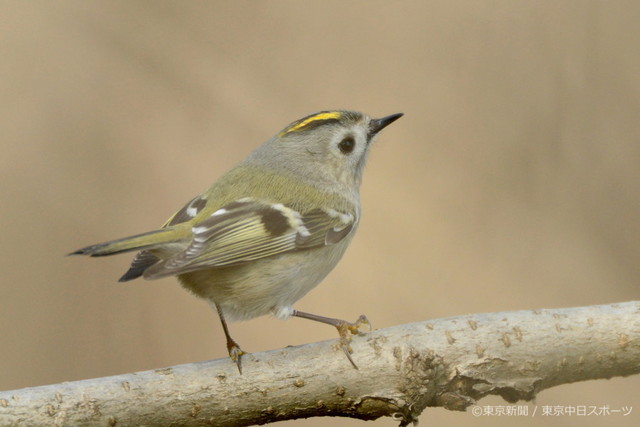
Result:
511,183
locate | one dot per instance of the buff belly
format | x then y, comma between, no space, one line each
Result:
265,286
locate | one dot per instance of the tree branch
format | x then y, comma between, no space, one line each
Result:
449,362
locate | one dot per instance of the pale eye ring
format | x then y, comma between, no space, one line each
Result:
347,145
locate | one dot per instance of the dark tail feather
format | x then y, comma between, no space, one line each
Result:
140,263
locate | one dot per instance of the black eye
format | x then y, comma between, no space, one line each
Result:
347,145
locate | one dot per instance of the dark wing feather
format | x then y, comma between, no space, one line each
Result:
142,261
247,230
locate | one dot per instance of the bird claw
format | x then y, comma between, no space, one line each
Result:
235,354
354,327
346,329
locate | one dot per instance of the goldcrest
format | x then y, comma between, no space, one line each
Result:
270,229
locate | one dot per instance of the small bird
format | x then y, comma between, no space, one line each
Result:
269,230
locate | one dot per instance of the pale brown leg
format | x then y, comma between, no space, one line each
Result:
343,327
235,352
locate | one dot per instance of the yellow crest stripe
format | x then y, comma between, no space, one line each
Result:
325,115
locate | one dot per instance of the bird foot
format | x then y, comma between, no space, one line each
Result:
235,354
346,329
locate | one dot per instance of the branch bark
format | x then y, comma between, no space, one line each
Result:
449,362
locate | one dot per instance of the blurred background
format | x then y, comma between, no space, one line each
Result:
511,183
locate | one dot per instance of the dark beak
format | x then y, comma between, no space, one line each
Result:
376,125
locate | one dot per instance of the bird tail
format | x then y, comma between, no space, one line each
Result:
133,243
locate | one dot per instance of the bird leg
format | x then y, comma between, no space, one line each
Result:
235,352
344,329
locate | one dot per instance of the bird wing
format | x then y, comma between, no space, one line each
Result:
250,229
